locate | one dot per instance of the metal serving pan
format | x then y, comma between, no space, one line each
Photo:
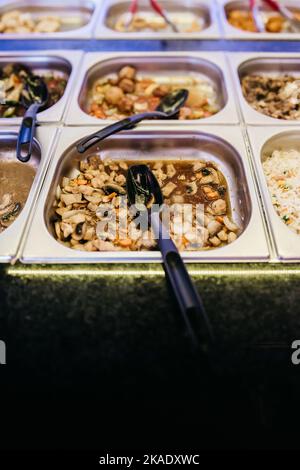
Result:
217,146
11,238
230,32
201,9
265,63
263,142
80,17
203,65
61,62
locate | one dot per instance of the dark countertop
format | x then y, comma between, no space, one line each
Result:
96,341
110,336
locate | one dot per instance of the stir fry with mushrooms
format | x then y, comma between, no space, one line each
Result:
13,78
15,183
277,96
94,195
127,93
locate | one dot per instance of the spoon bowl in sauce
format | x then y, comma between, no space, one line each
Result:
167,109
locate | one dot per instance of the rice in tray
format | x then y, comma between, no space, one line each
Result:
282,171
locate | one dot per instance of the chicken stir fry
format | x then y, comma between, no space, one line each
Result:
16,22
185,22
275,96
95,193
12,86
126,94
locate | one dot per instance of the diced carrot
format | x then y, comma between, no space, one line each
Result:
126,242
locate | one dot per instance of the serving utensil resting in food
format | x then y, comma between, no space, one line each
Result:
143,188
276,6
260,26
167,109
133,9
34,98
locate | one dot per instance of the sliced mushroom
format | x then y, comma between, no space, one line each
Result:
214,227
218,207
210,175
75,219
232,227
67,229
198,166
6,201
114,188
191,188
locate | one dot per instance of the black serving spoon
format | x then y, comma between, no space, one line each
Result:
167,109
143,188
35,96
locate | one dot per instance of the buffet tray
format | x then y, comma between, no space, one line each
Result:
86,10
265,140
112,9
230,32
48,60
244,63
224,146
204,64
11,238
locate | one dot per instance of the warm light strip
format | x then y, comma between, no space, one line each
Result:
151,272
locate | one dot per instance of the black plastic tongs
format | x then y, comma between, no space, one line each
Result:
143,187
34,97
156,7
168,108
276,6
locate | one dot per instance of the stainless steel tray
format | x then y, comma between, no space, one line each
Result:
210,66
244,63
62,62
234,33
264,141
113,9
85,10
41,246
11,238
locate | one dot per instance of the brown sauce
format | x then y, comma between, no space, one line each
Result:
15,182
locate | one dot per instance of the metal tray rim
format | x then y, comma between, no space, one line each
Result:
57,112
228,115
85,32
233,33
285,240
234,252
249,115
12,237
212,32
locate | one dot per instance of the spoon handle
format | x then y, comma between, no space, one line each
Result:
188,299
119,126
26,134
